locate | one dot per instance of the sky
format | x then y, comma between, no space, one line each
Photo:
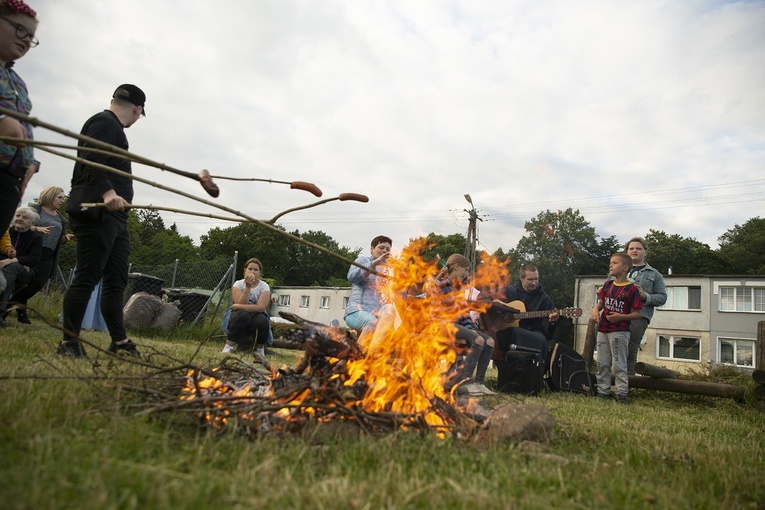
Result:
641,115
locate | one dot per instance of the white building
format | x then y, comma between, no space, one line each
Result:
318,304
707,319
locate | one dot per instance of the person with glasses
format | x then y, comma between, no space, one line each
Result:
52,229
103,240
18,24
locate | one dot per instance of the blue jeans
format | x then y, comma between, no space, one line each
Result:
360,319
612,350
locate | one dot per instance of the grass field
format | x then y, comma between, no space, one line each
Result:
63,445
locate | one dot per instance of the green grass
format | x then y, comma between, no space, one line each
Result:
64,444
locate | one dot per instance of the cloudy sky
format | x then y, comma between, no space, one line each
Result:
642,115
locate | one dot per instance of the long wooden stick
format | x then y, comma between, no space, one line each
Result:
37,122
266,224
203,177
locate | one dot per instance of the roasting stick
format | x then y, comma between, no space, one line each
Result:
36,122
203,177
266,224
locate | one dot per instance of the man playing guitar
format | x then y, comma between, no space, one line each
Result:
533,332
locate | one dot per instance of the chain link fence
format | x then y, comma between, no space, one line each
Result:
200,288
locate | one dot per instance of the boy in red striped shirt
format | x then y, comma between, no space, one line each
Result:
619,301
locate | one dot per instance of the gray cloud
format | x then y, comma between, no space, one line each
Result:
526,106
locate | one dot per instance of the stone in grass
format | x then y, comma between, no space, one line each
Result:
518,422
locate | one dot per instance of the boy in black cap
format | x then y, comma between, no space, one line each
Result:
103,242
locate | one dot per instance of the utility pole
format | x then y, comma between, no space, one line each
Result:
472,233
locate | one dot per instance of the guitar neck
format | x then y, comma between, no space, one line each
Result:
532,315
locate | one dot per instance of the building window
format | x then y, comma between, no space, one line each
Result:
682,298
305,301
737,352
284,300
324,303
345,302
678,348
742,299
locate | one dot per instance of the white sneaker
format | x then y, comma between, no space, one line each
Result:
261,351
228,349
478,390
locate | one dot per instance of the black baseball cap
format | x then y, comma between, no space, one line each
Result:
132,94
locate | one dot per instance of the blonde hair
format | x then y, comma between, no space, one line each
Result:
48,195
455,259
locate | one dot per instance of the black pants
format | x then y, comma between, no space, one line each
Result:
14,274
10,196
103,249
243,326
42,275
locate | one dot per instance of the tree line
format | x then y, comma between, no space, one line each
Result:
562,244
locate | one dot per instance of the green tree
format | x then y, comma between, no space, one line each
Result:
562,244
250,240
443,246
309,266
685,255
743,247
152,243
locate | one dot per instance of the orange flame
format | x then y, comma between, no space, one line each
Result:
407,356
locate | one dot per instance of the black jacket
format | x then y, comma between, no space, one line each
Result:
534,301
28,247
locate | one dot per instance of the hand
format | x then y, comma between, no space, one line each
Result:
6,262
68,237
554,317
42,230
380,260
11,253
115,202
615,317
249,280
595,315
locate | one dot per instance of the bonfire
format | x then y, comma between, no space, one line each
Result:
394,380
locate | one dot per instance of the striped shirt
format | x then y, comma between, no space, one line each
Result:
617,299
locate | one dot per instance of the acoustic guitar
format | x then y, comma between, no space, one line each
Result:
508,315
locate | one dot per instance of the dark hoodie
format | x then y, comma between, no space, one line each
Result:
535,300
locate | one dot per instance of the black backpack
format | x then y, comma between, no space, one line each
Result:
521,372
567,371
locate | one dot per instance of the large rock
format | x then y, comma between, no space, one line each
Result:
518,422
167,317
140,310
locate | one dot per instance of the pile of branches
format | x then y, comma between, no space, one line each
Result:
254,398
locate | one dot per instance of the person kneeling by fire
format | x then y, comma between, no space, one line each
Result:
449,289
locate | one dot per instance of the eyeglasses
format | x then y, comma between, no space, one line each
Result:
22,32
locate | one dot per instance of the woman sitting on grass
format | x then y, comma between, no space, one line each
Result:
251,298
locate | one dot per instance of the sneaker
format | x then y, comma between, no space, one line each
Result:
622,400
127,347
228,349
23,318
71,349
479,390
260,354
